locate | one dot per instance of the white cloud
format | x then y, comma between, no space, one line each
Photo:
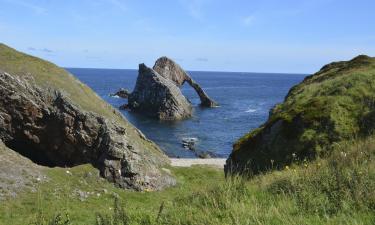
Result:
248,20
119,4
195,8
3,27
201,59
33,7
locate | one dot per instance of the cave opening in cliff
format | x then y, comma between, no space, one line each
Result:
31,152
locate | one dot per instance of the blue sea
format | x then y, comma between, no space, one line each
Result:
245,100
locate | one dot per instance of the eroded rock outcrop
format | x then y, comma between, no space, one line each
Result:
158,97
172,71
122,93
53,119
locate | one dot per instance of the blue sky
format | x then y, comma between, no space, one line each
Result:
295,36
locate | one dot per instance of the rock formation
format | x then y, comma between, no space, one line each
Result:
42,118
172,71
333,105
122,93
158,97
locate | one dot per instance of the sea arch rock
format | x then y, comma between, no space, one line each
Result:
169,69
158,97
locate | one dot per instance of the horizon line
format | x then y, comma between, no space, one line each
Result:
208,71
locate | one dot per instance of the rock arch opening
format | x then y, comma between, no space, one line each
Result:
172,71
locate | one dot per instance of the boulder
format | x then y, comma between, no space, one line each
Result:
158,97
172,71
189,143
50,117
122,93
206,155
334,105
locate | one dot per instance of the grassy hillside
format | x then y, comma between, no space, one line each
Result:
330,112
337,190
49,76
333,105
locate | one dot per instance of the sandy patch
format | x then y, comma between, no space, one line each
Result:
216,162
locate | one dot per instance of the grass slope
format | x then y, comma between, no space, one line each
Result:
337,190
333,105
48,75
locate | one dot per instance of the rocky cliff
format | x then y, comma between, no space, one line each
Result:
335,104
50,117
172,71
158,97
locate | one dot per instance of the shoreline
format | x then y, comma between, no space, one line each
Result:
188,162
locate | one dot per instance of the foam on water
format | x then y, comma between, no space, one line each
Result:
250,110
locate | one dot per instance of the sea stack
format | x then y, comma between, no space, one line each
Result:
157,92
170,70
158,97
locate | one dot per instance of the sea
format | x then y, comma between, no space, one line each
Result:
245,100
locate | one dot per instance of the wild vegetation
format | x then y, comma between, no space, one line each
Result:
339,189
49,76
335,104
316,164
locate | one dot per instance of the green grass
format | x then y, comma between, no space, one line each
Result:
339,189
49,76
57,195
333,105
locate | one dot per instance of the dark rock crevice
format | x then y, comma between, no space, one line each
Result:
26,149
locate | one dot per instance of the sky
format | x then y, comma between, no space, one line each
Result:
281,36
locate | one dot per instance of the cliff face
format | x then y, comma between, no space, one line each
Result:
55,120
335,104
158,97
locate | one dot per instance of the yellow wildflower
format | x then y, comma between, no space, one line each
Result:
147,190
